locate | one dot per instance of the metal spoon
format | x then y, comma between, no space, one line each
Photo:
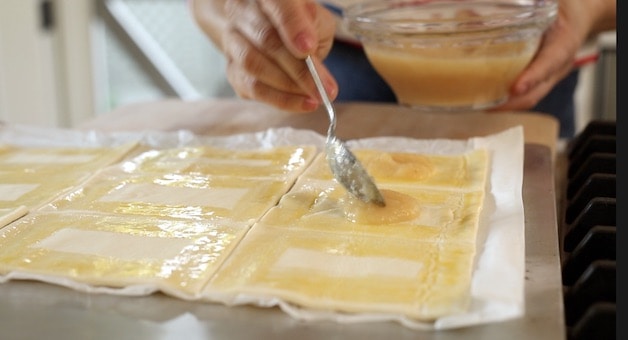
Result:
344,165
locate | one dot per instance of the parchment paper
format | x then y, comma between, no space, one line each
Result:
498,279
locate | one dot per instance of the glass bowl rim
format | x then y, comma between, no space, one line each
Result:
520,14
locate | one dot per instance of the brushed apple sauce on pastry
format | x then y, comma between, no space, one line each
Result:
399,208
276,224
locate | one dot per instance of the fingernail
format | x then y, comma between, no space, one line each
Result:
331,89
310,104
304,42
521,88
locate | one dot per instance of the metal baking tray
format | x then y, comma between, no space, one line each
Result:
32,310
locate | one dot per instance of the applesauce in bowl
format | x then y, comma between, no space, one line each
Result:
450,55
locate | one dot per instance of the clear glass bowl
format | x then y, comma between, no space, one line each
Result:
450,55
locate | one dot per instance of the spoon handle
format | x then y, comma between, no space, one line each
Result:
344,165
323,94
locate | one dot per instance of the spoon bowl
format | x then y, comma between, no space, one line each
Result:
350,173
345,167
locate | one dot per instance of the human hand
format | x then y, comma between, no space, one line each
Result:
576,21
265,44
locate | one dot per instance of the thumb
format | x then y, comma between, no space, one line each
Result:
294,22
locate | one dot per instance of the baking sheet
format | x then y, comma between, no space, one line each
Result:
501,248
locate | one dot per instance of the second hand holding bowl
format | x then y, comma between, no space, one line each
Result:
450,55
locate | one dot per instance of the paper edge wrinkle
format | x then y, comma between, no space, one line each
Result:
129,290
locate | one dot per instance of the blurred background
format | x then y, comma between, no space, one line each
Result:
62,62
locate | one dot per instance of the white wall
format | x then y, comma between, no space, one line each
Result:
46,75
27,66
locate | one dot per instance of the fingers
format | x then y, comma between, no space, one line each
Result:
528,99
255,76
325,24
302,26
251,61
555,58
295,22
265,34
251,88
553,61
261,63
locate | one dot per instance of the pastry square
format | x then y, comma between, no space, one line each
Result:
33,189
423,214
53,160
193,182
192,196
347,272
459,172
33,177
276,162
177,256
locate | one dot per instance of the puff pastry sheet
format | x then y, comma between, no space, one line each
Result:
263,226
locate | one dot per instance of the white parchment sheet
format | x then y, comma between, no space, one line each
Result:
498,279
